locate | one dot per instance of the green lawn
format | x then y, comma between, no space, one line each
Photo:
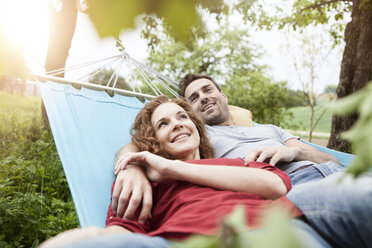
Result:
302,118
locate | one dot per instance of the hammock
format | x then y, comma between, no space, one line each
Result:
89,126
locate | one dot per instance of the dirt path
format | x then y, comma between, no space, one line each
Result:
318,141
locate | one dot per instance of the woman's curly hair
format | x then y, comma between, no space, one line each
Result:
143,133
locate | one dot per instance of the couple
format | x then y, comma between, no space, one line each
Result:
335,215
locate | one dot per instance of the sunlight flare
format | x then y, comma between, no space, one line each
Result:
25,24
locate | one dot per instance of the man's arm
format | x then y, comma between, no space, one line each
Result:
122,151
131,188
310,153
294,150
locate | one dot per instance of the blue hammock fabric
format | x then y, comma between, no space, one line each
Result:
344,158
88,128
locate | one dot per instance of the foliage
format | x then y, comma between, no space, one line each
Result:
359,134
107,76
298,14
330,89
111,17
276,232
266,100
35,201
297,98
225,53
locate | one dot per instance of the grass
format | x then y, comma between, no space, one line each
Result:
302,118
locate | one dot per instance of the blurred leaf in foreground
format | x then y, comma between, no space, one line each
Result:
275,232
111,17
360,134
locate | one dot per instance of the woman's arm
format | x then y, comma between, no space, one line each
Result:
235,178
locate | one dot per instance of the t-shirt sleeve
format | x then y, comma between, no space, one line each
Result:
283,135
274,169
132,225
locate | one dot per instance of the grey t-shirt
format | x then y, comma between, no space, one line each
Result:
237,142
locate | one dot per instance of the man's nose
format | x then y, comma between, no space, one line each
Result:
203,98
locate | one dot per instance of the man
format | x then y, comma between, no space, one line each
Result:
338,224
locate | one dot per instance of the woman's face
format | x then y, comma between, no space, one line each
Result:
175,132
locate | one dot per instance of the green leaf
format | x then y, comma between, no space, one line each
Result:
237,219
180,15
347,104
276,232
365,108
358,135
197,241
111,17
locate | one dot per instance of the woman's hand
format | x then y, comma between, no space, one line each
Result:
156,166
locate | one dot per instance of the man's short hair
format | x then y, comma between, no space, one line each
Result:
189,78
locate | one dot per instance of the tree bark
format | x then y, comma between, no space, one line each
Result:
356,68
62,25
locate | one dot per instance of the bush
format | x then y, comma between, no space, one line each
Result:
35,202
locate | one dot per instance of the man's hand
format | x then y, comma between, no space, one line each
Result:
273,154
131,188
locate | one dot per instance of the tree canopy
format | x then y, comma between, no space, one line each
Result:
226,53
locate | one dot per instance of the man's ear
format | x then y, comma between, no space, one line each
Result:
224,96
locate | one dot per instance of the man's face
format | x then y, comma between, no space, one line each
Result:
207,101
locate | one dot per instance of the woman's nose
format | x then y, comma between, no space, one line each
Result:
177,125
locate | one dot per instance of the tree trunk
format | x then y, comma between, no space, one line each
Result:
356,68
62,25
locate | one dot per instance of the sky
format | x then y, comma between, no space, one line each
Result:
28,27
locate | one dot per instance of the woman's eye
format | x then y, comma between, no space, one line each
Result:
183,116
161,124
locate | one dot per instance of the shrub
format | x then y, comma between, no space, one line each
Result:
35,202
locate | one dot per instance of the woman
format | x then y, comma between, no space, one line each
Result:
192,191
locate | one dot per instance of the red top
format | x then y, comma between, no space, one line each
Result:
181,208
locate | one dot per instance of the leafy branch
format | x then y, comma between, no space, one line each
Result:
323,3
359,134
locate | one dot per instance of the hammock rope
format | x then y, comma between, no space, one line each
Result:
122,66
